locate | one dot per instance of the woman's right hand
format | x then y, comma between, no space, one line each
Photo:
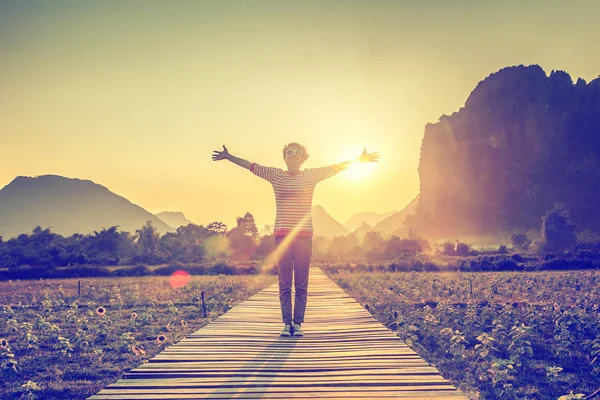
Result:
220,155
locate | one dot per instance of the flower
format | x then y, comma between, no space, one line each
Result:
161,339
100,311
3,343
133,315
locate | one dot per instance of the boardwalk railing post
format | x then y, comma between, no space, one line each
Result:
471,287
203,305
78,288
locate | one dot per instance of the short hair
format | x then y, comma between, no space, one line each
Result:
294,144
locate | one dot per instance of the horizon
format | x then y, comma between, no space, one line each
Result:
139,97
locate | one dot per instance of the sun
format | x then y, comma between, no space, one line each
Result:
358,171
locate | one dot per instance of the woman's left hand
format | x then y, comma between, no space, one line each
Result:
368,157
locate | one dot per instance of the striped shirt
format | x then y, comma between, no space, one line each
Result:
293,196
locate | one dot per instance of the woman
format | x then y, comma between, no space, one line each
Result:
293,223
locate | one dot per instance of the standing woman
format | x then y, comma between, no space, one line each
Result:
293,222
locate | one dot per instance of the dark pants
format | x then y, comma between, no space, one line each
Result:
293,261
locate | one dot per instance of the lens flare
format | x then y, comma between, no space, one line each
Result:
272,259
179,279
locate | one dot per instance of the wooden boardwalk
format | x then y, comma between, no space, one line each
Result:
344,354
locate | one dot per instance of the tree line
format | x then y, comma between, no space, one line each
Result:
197,243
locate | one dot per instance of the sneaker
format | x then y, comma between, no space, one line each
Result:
298,330
287,328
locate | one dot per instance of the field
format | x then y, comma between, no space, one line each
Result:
57,345
508,335
522,335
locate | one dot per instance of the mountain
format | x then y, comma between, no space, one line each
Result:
369,218
523,141
67,206
174,219
362,230
393,224
325,225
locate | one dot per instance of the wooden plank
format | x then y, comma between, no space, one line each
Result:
167,382
440,393
345,354
150,368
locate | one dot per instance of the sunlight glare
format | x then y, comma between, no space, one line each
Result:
273,258
358,171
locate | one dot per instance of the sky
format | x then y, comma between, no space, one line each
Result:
136,95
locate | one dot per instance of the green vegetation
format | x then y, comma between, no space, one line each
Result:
509,335
56,345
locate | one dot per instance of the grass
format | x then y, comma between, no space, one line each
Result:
57,345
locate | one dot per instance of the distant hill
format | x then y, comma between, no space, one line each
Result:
524,141
67,206
174,219
369,218
325,225
393,224
362,230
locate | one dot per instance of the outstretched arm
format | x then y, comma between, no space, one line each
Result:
327,172
224,155
364,157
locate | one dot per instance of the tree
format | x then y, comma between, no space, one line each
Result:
107,240
247,225
242,245
342,246
147,240
77,247
265,246
372,241
401,247
108,246
521,241
243,238
558,232
191,241
194,234
3,253
217,227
